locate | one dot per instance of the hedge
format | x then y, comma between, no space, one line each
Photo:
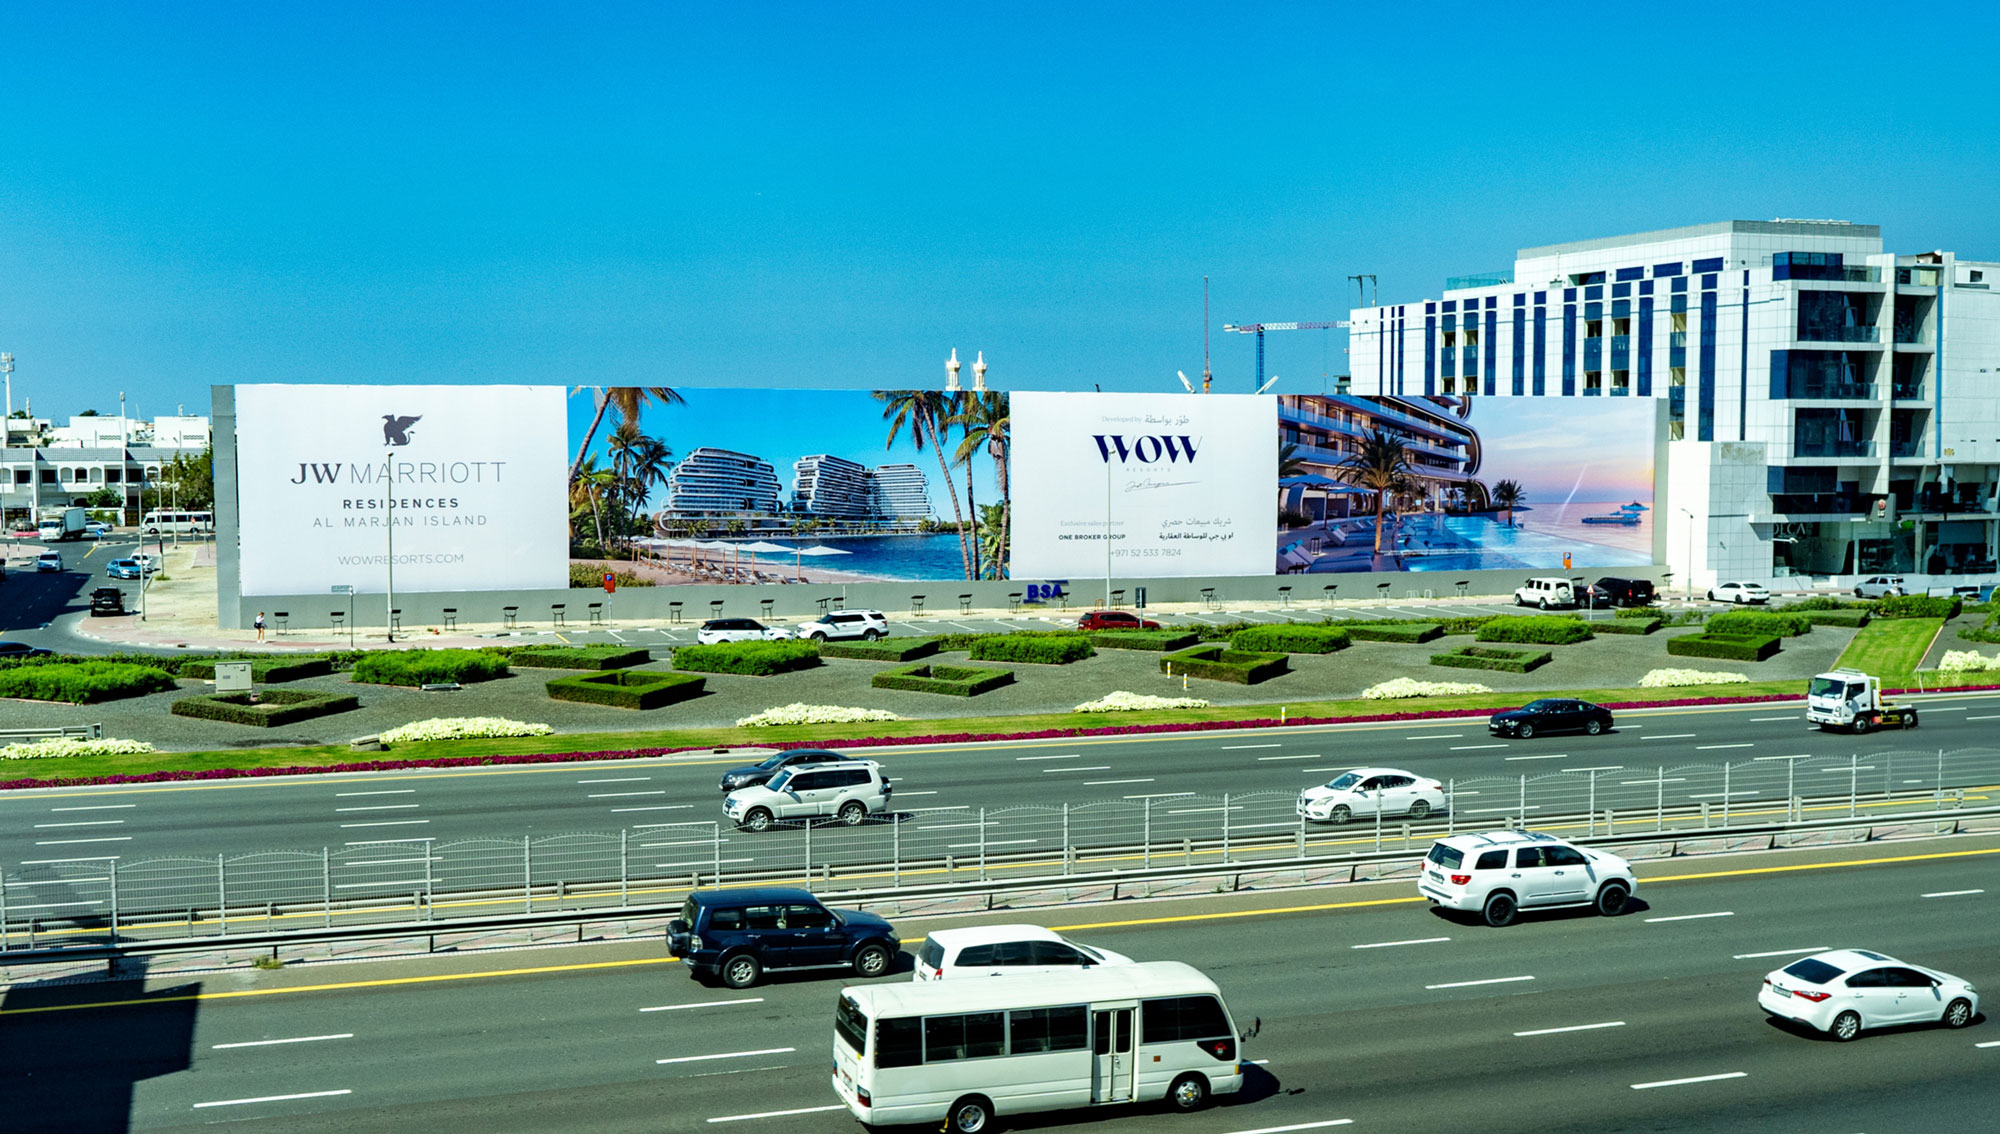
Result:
428,667
1217,663
263,669
1725,646
1988,632
627,688
178,662
1161,640
749,659
1918,606
1537,629
1637,612
1825,602
269,708
83,683
1290,639
1483,657
1630,625
887,649
1759,624
578,657
952,680
963,640
1405,632
1856,617
1055,649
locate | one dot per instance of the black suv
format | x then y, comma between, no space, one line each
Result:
12,650
1627,592
738,935
750,775
106,601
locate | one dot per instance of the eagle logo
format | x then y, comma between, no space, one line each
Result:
396,430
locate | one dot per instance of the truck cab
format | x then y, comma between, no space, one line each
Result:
1851,701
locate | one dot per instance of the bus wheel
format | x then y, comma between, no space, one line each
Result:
1189,1093
969,1115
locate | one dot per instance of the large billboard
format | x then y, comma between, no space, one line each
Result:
474,478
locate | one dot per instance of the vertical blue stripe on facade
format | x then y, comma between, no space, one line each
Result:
1645,346
1541,349
1569,350
1743,370
1492,346
1430,355
1520,346
1705,371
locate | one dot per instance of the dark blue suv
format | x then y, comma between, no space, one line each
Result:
738,935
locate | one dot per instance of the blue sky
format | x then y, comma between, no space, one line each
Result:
837,195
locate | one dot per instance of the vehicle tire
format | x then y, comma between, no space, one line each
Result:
1845,1027
1593,727
1420,809
758,819
1857,593
1741,598
1188,1094
1519,601
1958,1013
853,812
818,635
1340,814
871,635
1611,899
1711,596
871,961
1910,720
1500,910
1545,604
1525,731
969,1115
1862,724
740,970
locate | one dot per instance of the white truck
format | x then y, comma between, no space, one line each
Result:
66,524
1851,701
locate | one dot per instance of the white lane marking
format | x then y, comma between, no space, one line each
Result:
1556,756
1474,747
1071,756
777,1113
1489,980
1391,944
1693,916
1498,810
618,780
907,794
67,842
276,1042
381,862
1719,794
97,807
1761,720
1297,1126
1992,718
380,807
1951,893
274,1098
1988,1043
623,794
1706,747
1074,768
389,791
1103,783
990,843
1782,953
391,823
1434,736
1800,756
658,807
61,861
727,1055
1314,756
953,807
1669,736
1572,1028
1162,795
705,1004
1691,1079
1657,780
1239,747
390,842
83,823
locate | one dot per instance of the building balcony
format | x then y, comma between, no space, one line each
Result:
1791,504
1831,391
1839,335
1815,447
1911,391
1906,448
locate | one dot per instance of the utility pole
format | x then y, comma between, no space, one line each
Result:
1207,375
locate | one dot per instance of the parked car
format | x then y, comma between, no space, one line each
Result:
49,561
849,791
1500,873
1550,714
1880,586
105,601
1739,593
127,569
11,651
866,625
1364,791
739,935
1545,593
750,775
739,630
1114,620
1593,597
1628,592
1005,950
1844,991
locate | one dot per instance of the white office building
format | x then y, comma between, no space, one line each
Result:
1831,409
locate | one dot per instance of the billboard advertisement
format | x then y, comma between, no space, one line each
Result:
466,484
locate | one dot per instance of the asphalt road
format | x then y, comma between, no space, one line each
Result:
41,608
1385,1016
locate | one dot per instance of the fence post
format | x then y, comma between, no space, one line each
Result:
982,844
114,905
1591,812
430,886
1524,799
221,895
1853,783
1225,826
1660,803
3,912
1302,832
1066,856
1725,793
715,843
896,848
527,875
809,852
624,866
1378,820
1146,836
1451,806
325,884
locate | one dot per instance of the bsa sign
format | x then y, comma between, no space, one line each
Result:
472,478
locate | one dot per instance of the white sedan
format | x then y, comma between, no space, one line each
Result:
1739,593
1845,990
1366,791
718,630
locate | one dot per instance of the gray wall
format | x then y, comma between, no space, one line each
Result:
228,552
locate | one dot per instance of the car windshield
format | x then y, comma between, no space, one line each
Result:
1344,781
1087,951
779,781
1447,857
1814,970
1541,706
1825,687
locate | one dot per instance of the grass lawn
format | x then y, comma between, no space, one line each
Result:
1892,648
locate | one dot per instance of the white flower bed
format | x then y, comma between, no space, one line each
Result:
1967,661
1123,702
799,712
1666,678
462,728
1410,687
44,749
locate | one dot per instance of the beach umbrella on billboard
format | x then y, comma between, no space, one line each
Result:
818,549
764,547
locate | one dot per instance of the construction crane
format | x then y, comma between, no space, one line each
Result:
1258,329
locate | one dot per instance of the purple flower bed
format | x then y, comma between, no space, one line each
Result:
863,742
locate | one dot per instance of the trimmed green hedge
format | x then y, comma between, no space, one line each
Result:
1161,640
1857,617
264,669
1536,629
271,707
1290,639
1630,625
428,667
1725,646
1826,602
1637,612
1918,606
749,659
1485,657
1217,663
1056,649
1760,624
963,640
83,683
1988,632
1408,633
578,657
952,680
627,688
887,649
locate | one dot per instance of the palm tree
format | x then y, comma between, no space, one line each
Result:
985,421
588,491
629,401
1508,494
925,411
1380,464
641,463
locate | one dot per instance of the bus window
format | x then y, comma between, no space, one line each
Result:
899,1043
1048,1029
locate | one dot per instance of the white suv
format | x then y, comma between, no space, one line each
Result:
1499,873
1006,950
1545,593
867,625
719,630
849,791
1880,586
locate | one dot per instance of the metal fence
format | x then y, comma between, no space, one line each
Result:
89,901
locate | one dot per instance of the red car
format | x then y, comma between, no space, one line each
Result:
1114,620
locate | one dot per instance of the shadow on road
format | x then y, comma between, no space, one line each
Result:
72,1054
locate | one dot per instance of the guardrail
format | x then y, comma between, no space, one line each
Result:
54,732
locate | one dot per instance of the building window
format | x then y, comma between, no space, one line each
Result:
1593,328
1621,382
1593,382
1677,431
1677,376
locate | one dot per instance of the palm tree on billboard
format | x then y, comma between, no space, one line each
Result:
1508,494
1381,464
589,490
630,402
641,462
985,423
925,411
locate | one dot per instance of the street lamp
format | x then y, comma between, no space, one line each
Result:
1690,555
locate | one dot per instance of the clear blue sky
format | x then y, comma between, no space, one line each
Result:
837,194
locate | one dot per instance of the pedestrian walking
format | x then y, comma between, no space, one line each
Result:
259,624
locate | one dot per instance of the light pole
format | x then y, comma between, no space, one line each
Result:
1690,555
389,598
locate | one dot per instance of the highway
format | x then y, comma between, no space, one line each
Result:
1375,1012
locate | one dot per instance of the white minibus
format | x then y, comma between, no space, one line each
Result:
965,1052
183,523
